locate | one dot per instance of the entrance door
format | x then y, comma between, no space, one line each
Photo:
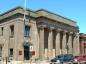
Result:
26,53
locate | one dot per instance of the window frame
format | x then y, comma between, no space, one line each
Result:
2,29
11,30
11,52
27,31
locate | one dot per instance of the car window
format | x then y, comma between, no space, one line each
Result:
60,57
68,56
84,56
76,56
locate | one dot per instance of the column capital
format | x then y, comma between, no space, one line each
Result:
65,31
58,30
51,28
75,34
70,33
42,26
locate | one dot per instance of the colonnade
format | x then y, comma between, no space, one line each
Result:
65,43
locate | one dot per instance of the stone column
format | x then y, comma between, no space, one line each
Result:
74,43
70,43
53,53
41,43
50,43
64,50
58,43
76,49
46,53
78,44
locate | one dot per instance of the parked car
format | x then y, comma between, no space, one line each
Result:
80,58
63,58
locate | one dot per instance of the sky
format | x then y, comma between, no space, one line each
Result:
72,9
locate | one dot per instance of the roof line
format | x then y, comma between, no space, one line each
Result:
18,7
56,14
11,10
35,12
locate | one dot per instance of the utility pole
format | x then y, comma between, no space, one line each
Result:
24,12
25,6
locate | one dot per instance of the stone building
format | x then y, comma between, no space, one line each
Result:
42,35
82,44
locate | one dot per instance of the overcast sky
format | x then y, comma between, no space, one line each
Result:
72,9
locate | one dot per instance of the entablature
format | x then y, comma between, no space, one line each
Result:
56,25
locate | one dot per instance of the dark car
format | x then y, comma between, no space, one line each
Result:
63,58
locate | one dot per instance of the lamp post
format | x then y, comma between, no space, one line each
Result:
25,4
26,42
24,11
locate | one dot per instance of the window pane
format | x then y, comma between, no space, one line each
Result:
11,51
2,31
27,29
12,30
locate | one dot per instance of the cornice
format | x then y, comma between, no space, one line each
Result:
37,14
16,11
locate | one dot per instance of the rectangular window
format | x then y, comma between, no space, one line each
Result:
12,30
2,28
11,51
27,30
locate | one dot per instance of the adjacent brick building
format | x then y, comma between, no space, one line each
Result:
82,44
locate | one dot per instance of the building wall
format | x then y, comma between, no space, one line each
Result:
5,40
18,40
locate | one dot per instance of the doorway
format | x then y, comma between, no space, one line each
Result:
26,53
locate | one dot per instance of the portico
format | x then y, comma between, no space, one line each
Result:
59,41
